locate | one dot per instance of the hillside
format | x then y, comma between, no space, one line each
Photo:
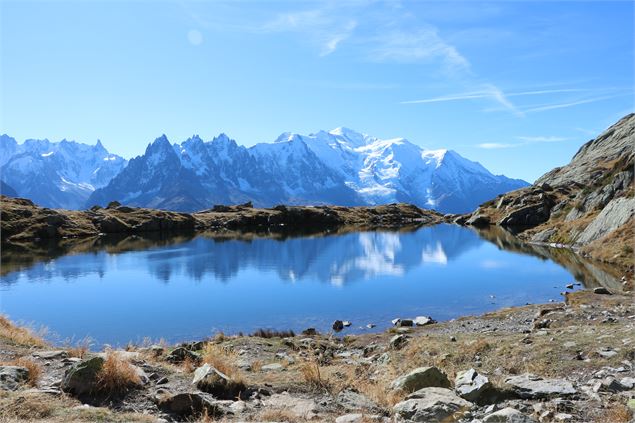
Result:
587,204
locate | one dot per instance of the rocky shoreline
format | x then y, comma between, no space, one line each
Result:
561,362
25,222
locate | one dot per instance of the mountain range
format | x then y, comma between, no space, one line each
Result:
340,167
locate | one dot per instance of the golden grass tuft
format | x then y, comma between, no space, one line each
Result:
278,415
21,335
312,375
117,375
222,359
617,413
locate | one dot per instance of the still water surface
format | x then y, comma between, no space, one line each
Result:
192,289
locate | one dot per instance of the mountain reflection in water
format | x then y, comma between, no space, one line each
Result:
123,289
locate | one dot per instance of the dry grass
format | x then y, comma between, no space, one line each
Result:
277,416
223,360
21,335
617,413
29,407
117,374
188,365
80,348
312,375
256,365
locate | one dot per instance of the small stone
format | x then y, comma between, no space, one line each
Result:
452,339
338,325
371,325
563,417
272,367
209,379
403,322
397,342
601,290
346,323
508,415
309,332
569,286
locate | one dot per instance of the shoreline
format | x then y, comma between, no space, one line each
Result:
559,342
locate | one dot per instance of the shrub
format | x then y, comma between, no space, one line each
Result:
35,370
117,375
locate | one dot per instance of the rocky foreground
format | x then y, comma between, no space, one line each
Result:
562,362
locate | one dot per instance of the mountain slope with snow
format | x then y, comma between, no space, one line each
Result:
56,174
340,167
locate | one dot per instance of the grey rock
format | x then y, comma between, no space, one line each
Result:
81,377
190,404
533,387
354,401
424,320
397,342
544,236
615,214
601,290
478,220
508,415
614,143
180,354
422,377
432,405
271,367
361,418
403,322
338,325
628,382
209,379
471,385
11,377
50,355
300,407
528,216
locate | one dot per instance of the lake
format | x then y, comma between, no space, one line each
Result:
190,288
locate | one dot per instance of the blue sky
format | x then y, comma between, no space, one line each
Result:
517,86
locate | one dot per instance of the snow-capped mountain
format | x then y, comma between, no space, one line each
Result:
56,174
341,167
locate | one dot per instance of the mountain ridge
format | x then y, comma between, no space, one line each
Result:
340,166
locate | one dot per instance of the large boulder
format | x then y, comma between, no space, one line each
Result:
508,415
209,379
528,216
81,378
529,386
432,405
471,385
11,377
422,377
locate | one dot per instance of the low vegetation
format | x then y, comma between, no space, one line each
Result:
21,335
117,375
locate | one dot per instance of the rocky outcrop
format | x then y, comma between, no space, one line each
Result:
589,199
24,221
617,213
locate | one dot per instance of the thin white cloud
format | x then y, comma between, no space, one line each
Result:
542,139
488,94
496,145
526,140
320,25
569,104
421,45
